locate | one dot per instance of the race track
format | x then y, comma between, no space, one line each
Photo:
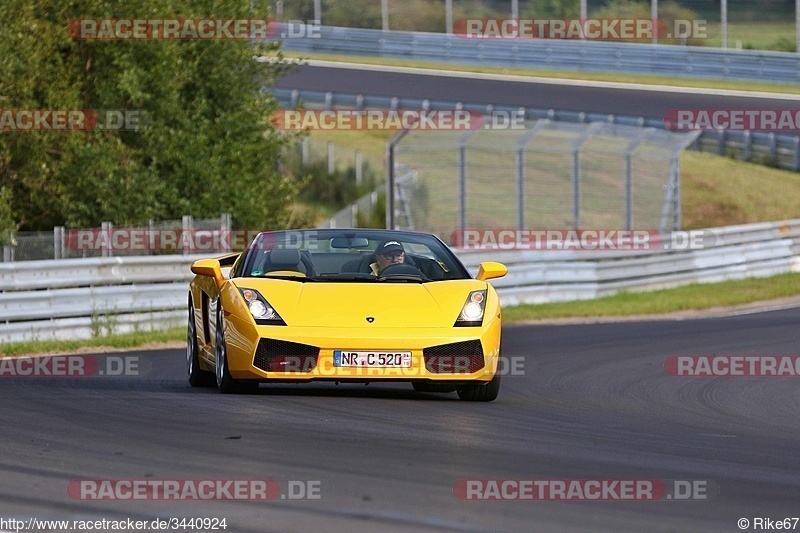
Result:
594,403
566,95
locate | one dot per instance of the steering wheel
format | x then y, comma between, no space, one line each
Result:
401,269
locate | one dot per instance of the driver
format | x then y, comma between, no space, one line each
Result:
387,253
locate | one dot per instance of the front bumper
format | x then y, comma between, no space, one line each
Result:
427,364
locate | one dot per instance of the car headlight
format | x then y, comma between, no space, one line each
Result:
472,311
263,313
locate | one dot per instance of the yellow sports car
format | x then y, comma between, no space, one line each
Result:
345,305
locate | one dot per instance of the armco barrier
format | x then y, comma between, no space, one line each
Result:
79,298
593,56
780,149
76,298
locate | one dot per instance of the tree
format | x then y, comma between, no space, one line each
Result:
207,147
7,221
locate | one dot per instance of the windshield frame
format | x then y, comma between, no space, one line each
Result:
302,237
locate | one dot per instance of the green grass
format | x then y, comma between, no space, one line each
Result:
371,143
754,35
131,340
643,79
719,191
689,297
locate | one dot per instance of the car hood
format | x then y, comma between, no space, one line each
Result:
342,304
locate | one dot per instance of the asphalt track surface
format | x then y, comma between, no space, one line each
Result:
594,402
565,96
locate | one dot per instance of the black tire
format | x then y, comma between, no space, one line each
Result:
197,376
480,392
225,383
433,387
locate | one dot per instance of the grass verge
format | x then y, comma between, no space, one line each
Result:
697,296
130,340
641,79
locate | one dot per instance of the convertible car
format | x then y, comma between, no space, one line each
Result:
345,305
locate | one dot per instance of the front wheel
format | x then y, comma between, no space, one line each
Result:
480,392
197,376
225,383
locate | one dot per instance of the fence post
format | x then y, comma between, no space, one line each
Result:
748,145
105,228
8,250
520,187
390,162
773,147
304,148
186,223
576,187
225,223
675,169
58,242
331,159
796,161
359,168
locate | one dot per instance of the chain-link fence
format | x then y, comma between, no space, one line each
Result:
311,152
184,236
341,176
550,175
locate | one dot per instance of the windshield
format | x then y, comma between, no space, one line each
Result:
328,255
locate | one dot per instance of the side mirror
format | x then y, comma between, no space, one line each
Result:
491,270
210,268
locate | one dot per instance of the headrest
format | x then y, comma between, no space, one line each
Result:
285,256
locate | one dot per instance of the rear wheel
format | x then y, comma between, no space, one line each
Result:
225,383
197,376
480,392
433,387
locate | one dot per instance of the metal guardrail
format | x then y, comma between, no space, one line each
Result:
593,56
78,298
777,149
81,298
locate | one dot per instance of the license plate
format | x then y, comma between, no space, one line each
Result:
372,359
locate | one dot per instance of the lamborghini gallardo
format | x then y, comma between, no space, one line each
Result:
345,305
